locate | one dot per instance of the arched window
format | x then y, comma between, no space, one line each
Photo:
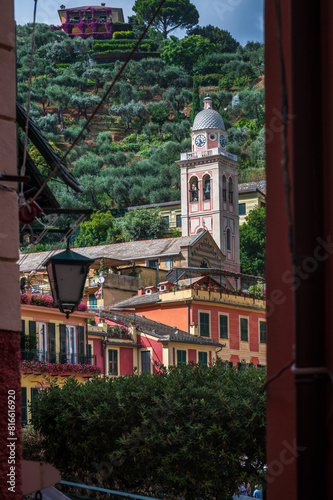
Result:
206,187
228,239
231,191
204,264
224,188
194,191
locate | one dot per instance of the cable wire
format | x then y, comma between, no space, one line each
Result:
29,98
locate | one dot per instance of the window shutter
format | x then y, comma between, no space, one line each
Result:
32,339
80,335
62,343
22,346
181,357
223,326
204,324
244,329
24,417
202,358
34,392
145,362
52,343
262,325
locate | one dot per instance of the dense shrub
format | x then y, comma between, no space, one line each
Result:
188,432
123,35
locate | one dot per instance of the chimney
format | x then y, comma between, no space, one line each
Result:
103,4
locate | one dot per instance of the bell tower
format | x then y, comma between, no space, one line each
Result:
209,185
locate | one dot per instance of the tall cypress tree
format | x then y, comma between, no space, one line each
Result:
196,105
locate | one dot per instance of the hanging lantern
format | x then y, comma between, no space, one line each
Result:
67,273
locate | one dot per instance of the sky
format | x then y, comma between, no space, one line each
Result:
242,18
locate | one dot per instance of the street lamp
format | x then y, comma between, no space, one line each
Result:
67,273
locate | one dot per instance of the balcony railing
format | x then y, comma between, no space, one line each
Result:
58,357
208,152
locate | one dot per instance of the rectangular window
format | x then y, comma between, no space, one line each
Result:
153,264
92,300
89,354
113,362
262,331
203,358
242,208
34,392
244,329
24,416
204,324
262,204
145,361
181,357
179,220
223,326
166,221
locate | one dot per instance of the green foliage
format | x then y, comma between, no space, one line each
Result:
98,230
103,143
143,224
222,38
252,242
186,432
187,51
123,35
196,105
39,161
174,14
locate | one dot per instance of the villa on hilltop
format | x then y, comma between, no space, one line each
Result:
99,22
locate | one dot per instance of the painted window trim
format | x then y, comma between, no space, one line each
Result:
210,324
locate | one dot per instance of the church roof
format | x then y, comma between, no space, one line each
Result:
208,118
132,250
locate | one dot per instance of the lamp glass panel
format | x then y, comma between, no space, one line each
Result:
71,279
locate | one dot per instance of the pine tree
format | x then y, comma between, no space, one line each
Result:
196,105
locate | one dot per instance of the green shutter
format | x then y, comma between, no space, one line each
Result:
262,325
34,392
52,343
62,343
24,416
244,326
22,346
181,357
145,362
204,324
80,335
223,326
113,362
203,358
32,338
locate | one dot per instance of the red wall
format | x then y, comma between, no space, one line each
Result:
126,360
98,352
177,315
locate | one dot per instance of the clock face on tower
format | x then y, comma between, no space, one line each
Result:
222,141
200,141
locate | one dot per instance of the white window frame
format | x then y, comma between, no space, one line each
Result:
71,349
42,352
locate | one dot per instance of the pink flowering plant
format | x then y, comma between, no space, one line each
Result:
25,299
37,366
39,299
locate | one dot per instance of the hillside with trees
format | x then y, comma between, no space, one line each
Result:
127,155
